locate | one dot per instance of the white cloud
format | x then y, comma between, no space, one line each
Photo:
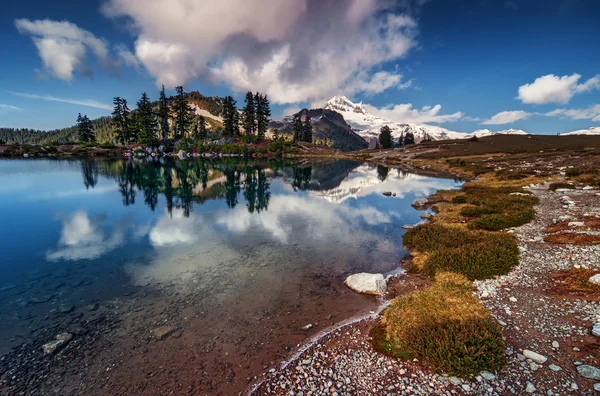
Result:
79,102
290,50
63,46
589,113
506,117
9,107
82,238
555,89
406,113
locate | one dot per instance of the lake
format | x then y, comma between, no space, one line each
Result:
235,258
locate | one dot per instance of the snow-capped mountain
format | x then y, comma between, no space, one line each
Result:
368,125
589,131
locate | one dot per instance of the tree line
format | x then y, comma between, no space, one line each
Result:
174,118
385,138
303,130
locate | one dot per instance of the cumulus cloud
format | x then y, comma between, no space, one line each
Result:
63,46
295,51
589,113
406,113
555,89
506,117
79,102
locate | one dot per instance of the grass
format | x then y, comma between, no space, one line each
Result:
589,223
576,280
444,326
474,254
572,238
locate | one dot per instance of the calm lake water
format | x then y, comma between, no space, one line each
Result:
237,255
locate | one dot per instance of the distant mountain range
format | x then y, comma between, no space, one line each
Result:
589,131
368,125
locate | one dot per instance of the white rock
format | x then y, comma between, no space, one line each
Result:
487,375
587,188
367,283
595,279
555,344
419,203
536,357
554,367
51,347
576,224
530,388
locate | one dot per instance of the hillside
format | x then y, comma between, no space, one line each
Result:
102,128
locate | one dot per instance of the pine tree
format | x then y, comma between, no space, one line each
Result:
202,131
385,137
409,138
263,114
163,114
85,129
121,120
231,117
307,130
183,113
249,114
146,122
298,128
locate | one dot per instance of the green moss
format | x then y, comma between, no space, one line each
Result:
459,199
444,326
474,254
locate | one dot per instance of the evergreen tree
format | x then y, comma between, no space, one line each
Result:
249,114
298,128
409,138
231,117
263,113
202,131
307,130
163,114
183,113
121,120
146,122
385,137
401,140
85,129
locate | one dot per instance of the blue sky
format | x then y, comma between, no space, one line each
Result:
463,65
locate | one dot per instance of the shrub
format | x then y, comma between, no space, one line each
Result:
459,199
474,254
445,326
557,185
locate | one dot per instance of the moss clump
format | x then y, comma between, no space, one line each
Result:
459,199
497,208
474,254
445,326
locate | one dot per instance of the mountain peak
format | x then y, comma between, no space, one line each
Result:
343,104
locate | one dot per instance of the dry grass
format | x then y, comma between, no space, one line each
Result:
572,238
576,280
590,223
445,326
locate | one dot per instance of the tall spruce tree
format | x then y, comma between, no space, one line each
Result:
202,131
249,114
121,120
163,114
385,137
183,113
85,129
298,128
231,119
307,130
146,121
263,114
409,138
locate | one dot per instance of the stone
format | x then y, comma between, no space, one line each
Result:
487,375
182,154
590,372
595,279
554,367
308,327
455,380
420,203
576,224
513,299
387,193
588,188
64,336
426,216
367,283
536,357
597,387
530,388
596,330
408,226
162,332
50,347
555,344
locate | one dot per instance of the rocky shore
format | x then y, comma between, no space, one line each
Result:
548,328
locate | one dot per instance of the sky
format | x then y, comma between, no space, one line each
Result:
460,64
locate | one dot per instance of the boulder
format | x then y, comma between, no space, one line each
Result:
536,357
420,203
367,283
595,280
162,332
387,193
182,154
590,372
426,216
50,347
